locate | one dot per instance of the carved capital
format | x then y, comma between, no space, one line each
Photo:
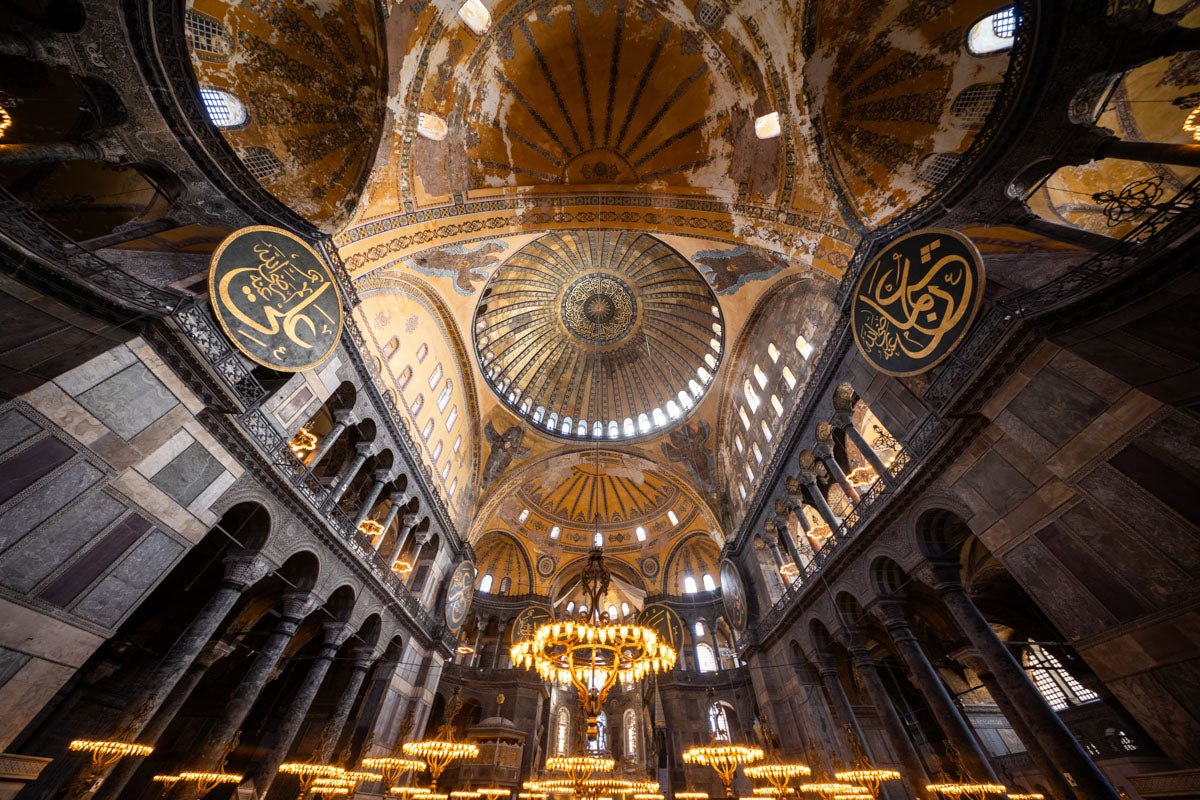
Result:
365,449
245,567
824,433
343,416
297,604
843,397
806,459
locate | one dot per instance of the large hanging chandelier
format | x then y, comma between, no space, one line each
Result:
592,652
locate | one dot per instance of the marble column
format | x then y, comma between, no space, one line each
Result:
773,546
126,767
345,702
1059,788
380,480
835,469
775,534
499,645
339,486
1180,155
974,760
208,754
266,769
839,703
868,671
373,700
1011,679
15,155
396,501
822,505
846,421
801,540
819,713
242,568
341,421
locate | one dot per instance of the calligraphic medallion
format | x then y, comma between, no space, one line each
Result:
459,593
665,622
528,621
275,298
598,308
916,300
733,595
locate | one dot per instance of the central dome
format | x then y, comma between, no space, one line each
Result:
598,334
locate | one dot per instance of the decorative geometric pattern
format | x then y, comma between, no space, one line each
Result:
598,335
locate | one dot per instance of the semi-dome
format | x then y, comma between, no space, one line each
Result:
599,334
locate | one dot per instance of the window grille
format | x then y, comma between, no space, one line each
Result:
710,13
207,36
934,168
975,102
1004,23
263,164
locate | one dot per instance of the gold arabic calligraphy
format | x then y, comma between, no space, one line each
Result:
914,316
274,296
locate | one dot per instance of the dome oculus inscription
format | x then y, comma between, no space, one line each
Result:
598,308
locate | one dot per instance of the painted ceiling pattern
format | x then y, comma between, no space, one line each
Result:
588,93
598,335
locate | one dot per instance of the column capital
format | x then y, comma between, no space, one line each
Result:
892,610
363,654
399,499
343,416
947,576
969,658
245,567
364,449
213,653
382,475
297,604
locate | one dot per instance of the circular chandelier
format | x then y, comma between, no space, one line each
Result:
392,767
972,791
591,652
439,751
724,758
778,775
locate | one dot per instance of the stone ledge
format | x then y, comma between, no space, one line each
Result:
1177,783
14,767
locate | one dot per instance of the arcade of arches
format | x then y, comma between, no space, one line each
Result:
595,261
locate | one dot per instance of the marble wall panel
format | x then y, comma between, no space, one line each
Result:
120,590
32,559
1055,406
128,401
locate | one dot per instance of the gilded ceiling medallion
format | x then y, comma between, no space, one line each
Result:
598,308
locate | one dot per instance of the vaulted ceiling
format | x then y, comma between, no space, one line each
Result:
603,229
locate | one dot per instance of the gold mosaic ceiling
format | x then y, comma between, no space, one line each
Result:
587,93
598,334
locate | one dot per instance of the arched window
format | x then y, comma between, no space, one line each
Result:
777,405
450,419
709,584
628,427
555,532
625,609
207,36
435,376
601,742
743,416
760,376
737,442
417,405
485,583
598,539
562,730
751,395
660,419
631,735
1059,687
643,422
224,109
475,15
689,585
766,429
437,451
444,397
804,347
705,660
427,431
612,613
789,378
718,722
431,127
505,585
614,430
405,377
993,33
422,351
672,409
757,452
